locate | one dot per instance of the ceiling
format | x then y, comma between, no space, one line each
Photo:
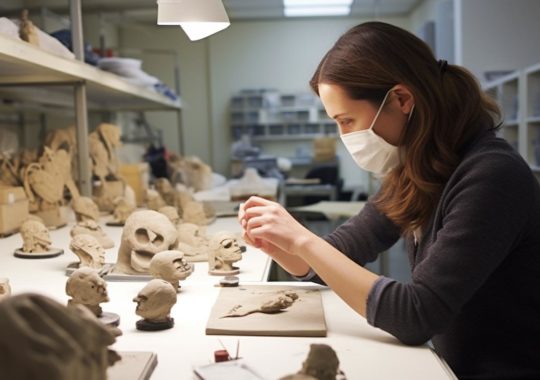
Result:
145,10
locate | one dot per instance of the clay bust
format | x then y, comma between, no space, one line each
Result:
90,253
145,233
170,212
224,252
5,288
87,288
171,267
90,227
193,241
321,363
154,304
102,145
122,210
154,201
35,237
194,212
85,209
52,341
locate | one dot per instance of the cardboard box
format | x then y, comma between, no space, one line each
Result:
13,209
136,176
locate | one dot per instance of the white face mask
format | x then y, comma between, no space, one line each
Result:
369,150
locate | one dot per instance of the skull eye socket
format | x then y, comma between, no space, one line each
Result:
142,236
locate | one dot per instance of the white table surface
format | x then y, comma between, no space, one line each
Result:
364,352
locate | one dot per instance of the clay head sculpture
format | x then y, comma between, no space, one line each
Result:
192,240
35,237
193,212
321,363
170,212
88,250
145,233
154,304
85,209
122,210
154,201
224,252
165,189
5,288
90,227
87,288
74,342
171,267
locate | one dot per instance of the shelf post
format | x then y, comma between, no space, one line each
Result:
81,109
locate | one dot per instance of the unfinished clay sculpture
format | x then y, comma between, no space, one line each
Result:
90,253
90,227
171,213
27,30
192,240
85,209
191,171
42,339
36,241
5,288
154,304
194,212
122,210
270,305
145,233
153,199
167,192
102,145
171,267
87,288
321,363
224,252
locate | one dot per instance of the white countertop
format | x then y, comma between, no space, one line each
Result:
364,352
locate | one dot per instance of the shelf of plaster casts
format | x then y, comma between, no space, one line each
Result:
28,73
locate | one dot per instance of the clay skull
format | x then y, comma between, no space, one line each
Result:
171,267
224,252
146,232
87,288
88,250
35,236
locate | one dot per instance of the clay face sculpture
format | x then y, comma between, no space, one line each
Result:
154,303
193,212
171,213
85,209
89,227
224,252
74,342
35,237
145,233
5,288
154,201
269,305
122,210
88,289
193,241
88,250
171,267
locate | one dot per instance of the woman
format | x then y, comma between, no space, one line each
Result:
464,200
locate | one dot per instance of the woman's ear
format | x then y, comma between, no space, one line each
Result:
404,97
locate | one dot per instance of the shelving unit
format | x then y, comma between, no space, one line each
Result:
518,94
270,116
34,77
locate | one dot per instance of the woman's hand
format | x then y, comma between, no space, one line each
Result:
268,226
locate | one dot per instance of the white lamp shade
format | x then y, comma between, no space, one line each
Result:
198,18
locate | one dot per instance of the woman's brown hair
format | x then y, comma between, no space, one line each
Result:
450,111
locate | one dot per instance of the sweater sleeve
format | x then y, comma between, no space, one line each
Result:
483,214
361,238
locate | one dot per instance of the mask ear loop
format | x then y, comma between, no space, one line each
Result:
379,110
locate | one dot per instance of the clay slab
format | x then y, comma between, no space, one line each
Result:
305,318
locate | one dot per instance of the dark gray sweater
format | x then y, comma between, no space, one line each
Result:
475,287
